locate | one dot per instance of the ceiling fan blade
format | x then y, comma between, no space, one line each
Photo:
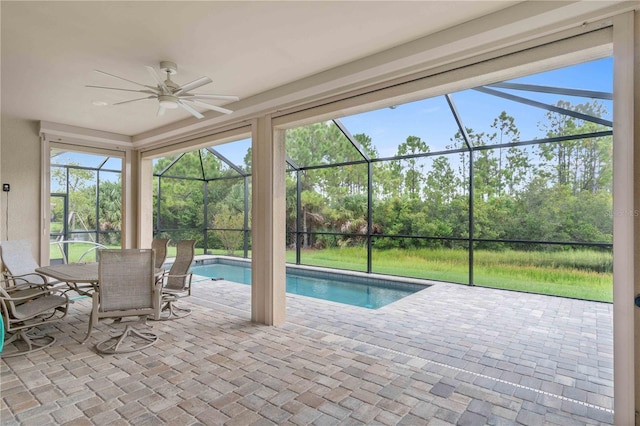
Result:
124,79
157,78
193,85
203,96
134,100
125,90
161,110
193,112
209,106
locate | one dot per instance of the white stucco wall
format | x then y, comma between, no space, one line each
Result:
20,167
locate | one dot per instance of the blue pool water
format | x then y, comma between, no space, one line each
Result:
373,294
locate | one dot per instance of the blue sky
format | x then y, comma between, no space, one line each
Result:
432,121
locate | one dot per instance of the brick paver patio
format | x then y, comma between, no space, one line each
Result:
449,354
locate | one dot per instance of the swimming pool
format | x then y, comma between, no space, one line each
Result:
366,292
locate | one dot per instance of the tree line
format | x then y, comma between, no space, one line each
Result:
550,191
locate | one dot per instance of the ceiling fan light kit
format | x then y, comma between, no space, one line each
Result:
169,94
168,101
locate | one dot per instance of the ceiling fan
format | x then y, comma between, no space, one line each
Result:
169,94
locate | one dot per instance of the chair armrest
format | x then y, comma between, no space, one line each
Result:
188,275
160,277
20,280
47,292
24,286
27,286
177,275
157,287
188,284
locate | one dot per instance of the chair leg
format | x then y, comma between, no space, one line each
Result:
90,329
170,311
32,342
179,312
112,345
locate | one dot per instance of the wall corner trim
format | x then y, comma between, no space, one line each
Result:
56,132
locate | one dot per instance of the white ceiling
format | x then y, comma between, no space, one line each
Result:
49,49
248,48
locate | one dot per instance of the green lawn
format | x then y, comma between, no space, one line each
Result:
77,251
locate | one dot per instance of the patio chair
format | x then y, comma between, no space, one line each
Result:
160,245
126,288
19,265
176,283
22,311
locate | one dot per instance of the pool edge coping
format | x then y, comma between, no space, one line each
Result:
361,276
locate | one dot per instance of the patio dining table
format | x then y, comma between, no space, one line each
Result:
74,274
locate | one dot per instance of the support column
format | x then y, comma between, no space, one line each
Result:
624,219
268,281
130,200
145,204
636,213
45,203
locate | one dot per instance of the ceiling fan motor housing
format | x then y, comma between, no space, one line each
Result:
171,85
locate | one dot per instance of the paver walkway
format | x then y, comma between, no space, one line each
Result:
449,354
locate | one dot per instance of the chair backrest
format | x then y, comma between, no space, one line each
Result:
185,253
18,260
160,246
126,283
